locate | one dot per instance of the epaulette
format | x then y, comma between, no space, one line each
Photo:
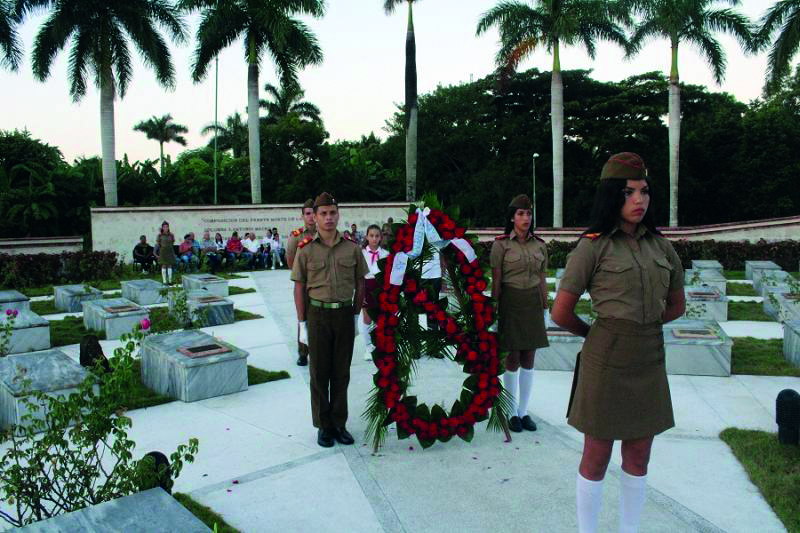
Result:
305,241
297,232
592,236
501,237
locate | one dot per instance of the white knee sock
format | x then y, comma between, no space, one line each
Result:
363,332
588,497
525,386
164,275
169,274
632,492
511,384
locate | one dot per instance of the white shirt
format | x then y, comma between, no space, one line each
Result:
372,261
250,245
432,268
276,244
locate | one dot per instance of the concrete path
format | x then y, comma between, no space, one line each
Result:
260,467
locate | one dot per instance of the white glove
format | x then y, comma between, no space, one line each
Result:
356,319
303,332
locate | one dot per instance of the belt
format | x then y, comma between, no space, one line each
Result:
329,305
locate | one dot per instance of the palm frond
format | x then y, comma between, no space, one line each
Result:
711,50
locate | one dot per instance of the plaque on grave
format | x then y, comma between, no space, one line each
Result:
30,332
70,298
697,348
751,266
211,284
207,309
115,316
168,370
706,303
14,300
143,291
780,303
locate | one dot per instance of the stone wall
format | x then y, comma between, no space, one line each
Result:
41,245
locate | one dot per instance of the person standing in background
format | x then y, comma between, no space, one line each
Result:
166,254
306,231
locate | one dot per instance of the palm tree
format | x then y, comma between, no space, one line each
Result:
691,21
230,136
163,130
785,14
288,99
267,27
100,33
411,110
9,40
549,24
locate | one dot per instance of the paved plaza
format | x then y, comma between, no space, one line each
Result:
260,467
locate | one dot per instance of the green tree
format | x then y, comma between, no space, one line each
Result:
785,14
550,24
694,22
230,136
411,109
9,39
101,33
286,99
163,130
268,27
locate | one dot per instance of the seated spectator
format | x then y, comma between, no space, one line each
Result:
210,253
278,251
251,244
144,254
235,250
346,235
219,242
266,249
186,253
195,245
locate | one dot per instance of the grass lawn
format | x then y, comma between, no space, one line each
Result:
773,467
234,290
748,311
69,330
44,307
239,314
760,357
214,521
734,274
741,289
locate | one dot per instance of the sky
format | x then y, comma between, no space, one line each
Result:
357,86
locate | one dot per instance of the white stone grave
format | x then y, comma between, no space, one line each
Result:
192,365
707,264
751,266
697,348
205,282
30,332
14,300
115,316
706,303
559,275
763,277
49,371
781,304
706,278
791,341
563,349
143,291
69,298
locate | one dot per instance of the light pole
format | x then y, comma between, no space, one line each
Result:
216,124
535,155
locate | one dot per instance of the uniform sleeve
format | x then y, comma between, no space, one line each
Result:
299,272
546,263
291,246
676,278
361,264
496,257
580,267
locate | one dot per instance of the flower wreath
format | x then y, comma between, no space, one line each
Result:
399,340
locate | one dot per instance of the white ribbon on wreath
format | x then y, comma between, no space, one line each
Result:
425,230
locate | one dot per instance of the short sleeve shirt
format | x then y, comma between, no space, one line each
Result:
627,276
330,273
294,239
521,262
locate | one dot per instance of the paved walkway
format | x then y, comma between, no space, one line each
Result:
260,467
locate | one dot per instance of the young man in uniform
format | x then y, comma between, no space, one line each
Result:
307,230
328,275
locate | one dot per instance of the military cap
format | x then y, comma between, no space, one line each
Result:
309,204
521,201
324,199
625,165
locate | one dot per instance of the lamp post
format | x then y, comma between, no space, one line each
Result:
535,155
216,124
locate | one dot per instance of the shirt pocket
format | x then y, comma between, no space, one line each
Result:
615,278
538,261
664,271
316,274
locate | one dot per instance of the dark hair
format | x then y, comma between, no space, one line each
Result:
371,227
608,202
235,234
510,212
218,234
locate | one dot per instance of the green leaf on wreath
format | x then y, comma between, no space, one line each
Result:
402,433
410,402
457,409
426,443
445,439
437,413
471,383
443,302
469,435
466,397
388,420
423,413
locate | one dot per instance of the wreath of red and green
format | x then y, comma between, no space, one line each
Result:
467,330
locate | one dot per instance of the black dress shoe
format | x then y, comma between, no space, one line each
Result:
302,360
325,438
528,424
514,424
343,436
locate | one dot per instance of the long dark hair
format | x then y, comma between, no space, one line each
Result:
510,212
608,202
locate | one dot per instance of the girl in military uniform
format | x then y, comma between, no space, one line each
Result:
372,254
166,254
635,280
519,261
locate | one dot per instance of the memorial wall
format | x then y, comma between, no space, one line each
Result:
118,228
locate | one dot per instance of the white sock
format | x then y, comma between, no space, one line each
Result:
164,275
511,384
588,497
169,274
631,502
525,386
363,332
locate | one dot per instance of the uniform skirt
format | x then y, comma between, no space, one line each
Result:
166,254
621,390
521,320
370,301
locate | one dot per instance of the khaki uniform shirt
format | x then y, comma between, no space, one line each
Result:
330,273
521,262
627,276
294,239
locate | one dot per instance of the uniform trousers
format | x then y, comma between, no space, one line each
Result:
331,333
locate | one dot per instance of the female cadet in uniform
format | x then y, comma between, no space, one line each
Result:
166,254
519,261
635,280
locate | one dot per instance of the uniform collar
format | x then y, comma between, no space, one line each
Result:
641,230
513,236
336,239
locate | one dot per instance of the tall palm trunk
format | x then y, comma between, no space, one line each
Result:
411,109
107,138
252,126
161,146
557,124
674,135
